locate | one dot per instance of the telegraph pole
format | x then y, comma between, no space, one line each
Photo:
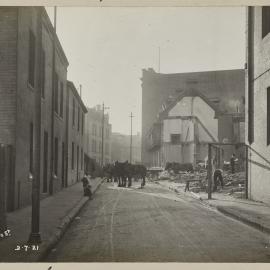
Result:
102,134
130,157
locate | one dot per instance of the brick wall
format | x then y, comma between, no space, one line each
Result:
76,136
8,74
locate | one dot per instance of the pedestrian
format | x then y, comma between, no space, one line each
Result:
218,178
232,162
88,191
85,182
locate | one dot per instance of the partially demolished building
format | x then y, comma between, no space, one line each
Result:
182,113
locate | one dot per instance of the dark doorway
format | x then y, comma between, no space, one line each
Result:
78,155
63,165
45,163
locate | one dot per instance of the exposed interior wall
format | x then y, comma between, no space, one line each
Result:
189,106
156,88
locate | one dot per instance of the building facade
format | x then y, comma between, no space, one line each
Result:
225,89
120,150
94,122
33,103
258,102
75,111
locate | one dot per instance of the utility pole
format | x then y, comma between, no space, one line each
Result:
158,59
130,157
102,134
35,237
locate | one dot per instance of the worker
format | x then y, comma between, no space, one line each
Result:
218,178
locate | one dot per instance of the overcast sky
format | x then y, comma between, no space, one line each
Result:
107,49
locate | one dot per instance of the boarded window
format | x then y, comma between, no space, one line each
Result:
265,21
32,58
61,99
175,138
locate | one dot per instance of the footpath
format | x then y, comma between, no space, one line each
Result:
56,213
255,214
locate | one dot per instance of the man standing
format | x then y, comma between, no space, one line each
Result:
218,178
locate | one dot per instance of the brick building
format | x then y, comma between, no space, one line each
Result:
93,135
33,103
76,111
225,89
258,102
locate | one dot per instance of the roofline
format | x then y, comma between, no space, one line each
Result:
58,44
190,93
151,70
70,84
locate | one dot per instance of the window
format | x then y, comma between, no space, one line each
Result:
81,159
32,59
63,165
45,162
73,112
72,157
78,155
79,113
61,99
175,138
107,133
106,148
82,122
55,155
94,146
43,73
268,115
100,131
31,149
94,129
56,92
100,147
265,21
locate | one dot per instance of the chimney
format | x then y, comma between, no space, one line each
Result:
80,90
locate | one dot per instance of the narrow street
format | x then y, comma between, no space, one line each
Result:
156,225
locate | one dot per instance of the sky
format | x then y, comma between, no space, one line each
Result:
107,48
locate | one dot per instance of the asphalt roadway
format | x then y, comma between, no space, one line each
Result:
156,225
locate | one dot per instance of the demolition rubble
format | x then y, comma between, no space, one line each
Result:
197,180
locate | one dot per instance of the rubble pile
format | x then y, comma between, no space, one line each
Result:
234,184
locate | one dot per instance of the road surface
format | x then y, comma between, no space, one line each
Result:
156,225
